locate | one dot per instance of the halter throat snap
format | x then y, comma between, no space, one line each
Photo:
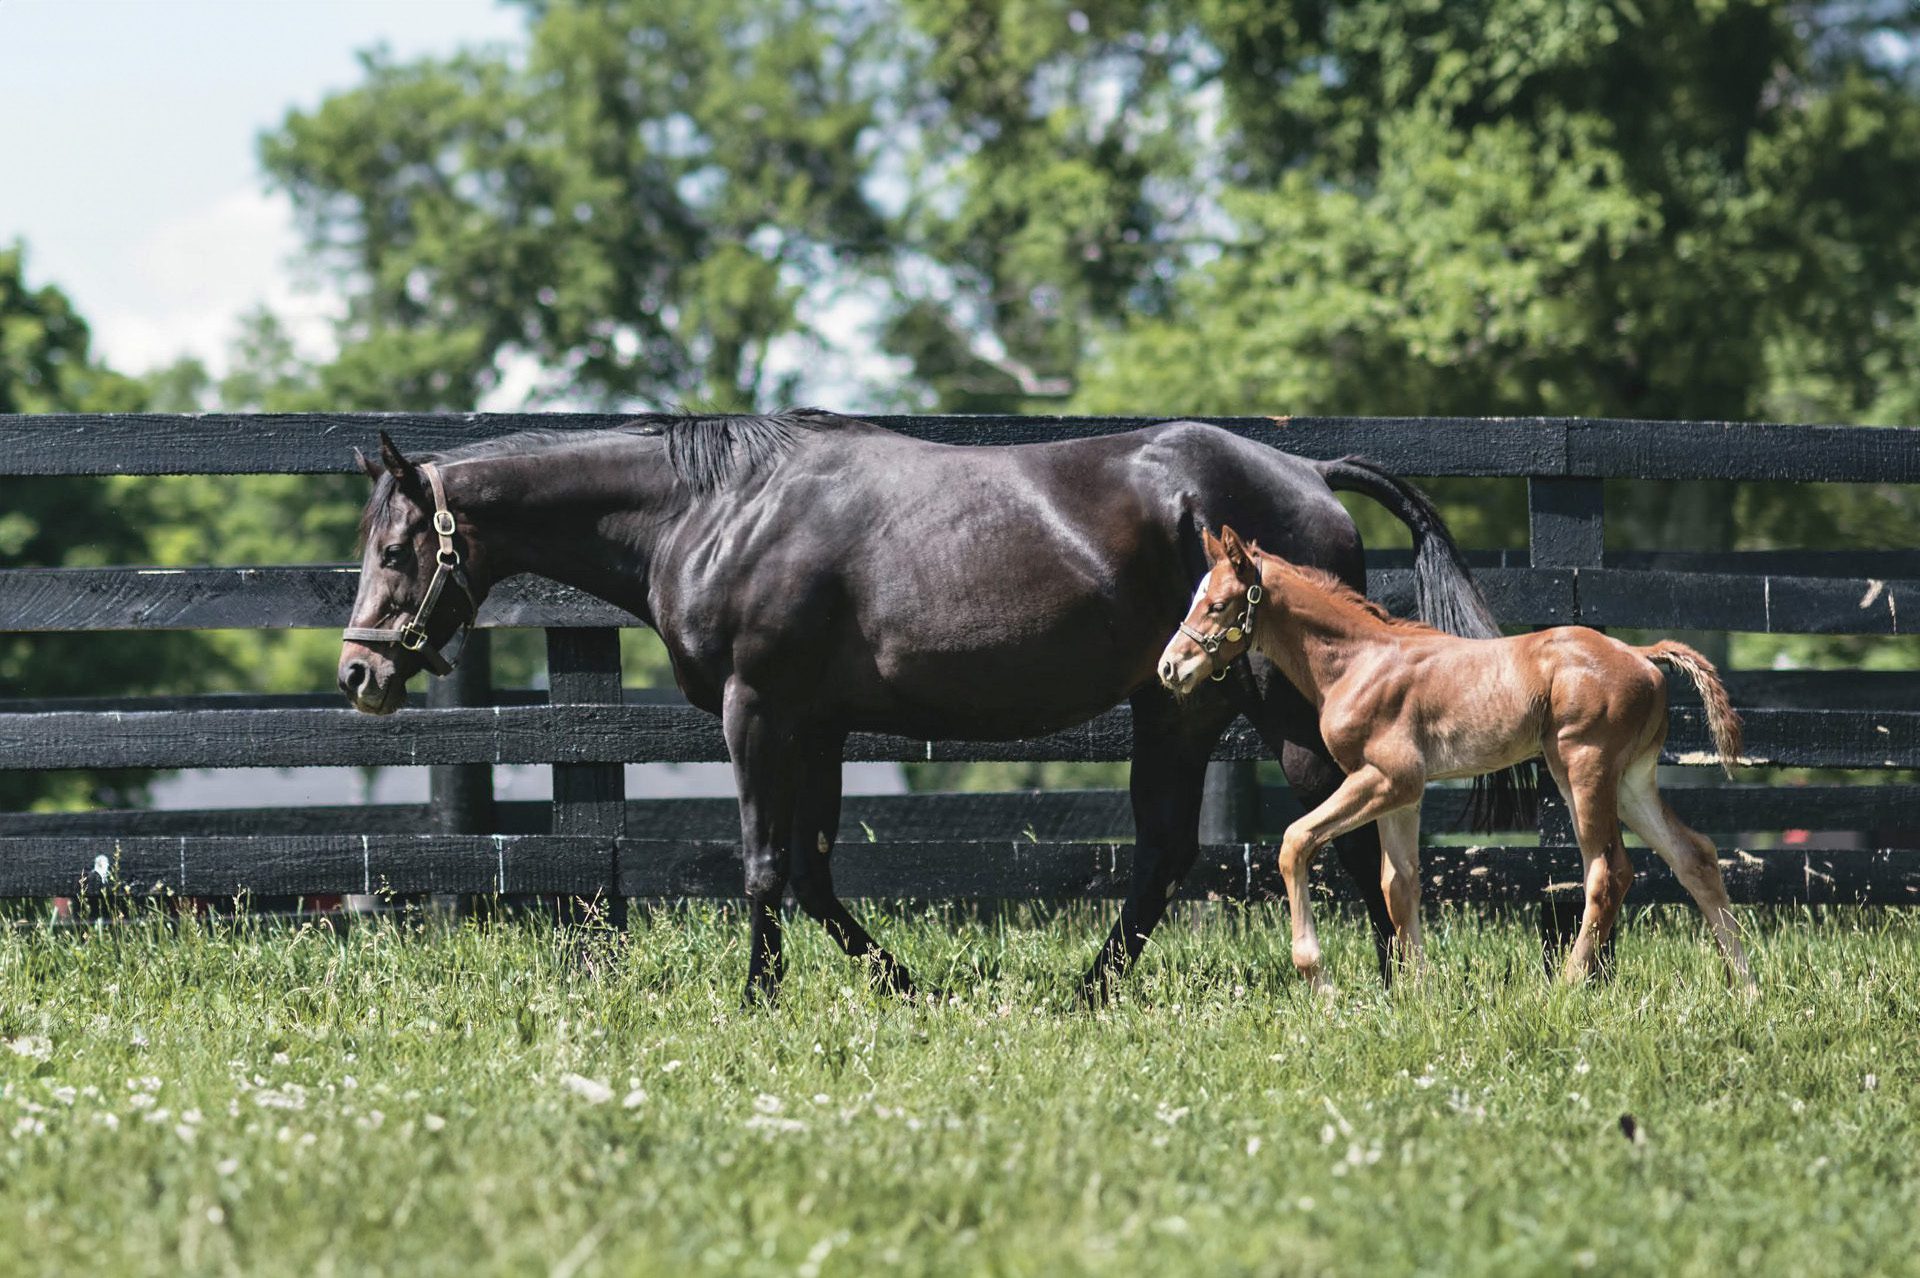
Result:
414,633
1233,633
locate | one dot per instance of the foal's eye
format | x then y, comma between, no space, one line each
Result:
394,556
1215,606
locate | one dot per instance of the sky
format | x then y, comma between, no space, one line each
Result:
127,152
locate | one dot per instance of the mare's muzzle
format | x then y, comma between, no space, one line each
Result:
414,634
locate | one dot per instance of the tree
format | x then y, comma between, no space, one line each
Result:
47,366
637,207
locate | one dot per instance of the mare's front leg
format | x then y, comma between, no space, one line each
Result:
1364,796
762,749
816,824
1172,738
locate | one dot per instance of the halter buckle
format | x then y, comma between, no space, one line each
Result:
413,636
443,523
1254,593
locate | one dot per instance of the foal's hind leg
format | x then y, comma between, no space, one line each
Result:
1362,797
816,824
1691,854
1587,775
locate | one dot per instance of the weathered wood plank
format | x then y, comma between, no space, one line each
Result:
272,598
635,733
279,865
318,598
135,444
285,865
1037,816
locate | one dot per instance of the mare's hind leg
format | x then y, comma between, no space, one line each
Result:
1364,796
1588,777
1692,855
816,824
1171,741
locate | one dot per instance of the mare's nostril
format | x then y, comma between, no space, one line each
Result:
354,678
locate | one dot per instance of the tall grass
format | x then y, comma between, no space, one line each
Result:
441,1098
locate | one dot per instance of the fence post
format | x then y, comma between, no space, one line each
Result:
1566,528
583,668
460,795
1230,802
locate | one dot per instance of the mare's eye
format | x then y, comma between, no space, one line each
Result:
394,556
1215,606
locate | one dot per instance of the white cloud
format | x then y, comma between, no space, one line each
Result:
192,277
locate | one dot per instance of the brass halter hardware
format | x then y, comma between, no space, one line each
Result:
413,632
1234,633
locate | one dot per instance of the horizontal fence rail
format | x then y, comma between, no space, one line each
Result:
1532,447
1777,840
79,599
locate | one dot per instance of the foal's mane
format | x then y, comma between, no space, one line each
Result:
1319,579
705,453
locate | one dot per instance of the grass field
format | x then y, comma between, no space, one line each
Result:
464,1100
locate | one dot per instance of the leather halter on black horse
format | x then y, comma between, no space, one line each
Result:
413,633
1235,633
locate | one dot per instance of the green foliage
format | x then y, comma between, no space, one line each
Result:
636,203
47,366
470,1101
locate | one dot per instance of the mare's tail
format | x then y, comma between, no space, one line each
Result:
1446,598
1722,723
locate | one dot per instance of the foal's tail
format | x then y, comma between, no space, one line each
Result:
1446,598
1722,723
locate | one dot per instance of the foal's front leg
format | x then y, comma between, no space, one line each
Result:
1400,883
763,766
1362,797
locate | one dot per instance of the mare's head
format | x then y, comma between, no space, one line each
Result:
421,580
1219,625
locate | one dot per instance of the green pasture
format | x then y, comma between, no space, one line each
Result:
449,1098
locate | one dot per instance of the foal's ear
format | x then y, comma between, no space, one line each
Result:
1236,553
1211,544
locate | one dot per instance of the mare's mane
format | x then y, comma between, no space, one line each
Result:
705,453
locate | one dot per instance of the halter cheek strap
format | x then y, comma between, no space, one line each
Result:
412,632
1242,629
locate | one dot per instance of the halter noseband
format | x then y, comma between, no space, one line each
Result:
1242,629
412,632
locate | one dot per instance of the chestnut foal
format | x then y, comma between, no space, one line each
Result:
1401,704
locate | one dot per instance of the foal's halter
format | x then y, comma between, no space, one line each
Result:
412,632
1234,633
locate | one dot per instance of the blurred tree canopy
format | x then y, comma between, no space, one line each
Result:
1598,207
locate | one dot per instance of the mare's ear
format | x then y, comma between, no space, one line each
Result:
1212,546
368,466
404,472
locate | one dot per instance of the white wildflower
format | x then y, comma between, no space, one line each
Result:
634,1099
590,1090
227,1166
766,1103
433,1123
32,1046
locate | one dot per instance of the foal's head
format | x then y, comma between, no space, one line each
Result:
420,581
1219,625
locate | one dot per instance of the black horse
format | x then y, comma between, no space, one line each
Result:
813,575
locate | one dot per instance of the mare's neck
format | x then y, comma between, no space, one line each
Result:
1310,634
588,514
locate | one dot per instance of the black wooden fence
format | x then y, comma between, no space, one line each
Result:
589,839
